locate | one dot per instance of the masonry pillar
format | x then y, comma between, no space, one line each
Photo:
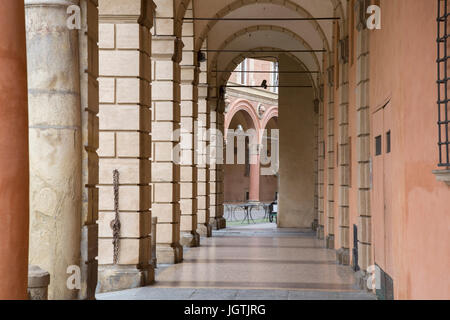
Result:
166,57
343,253
88,42
321,168
215,155
363,150
189,109
14,192
330,159
203,226
125,145
315,224
56,142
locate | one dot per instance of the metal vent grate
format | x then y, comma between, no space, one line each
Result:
442,71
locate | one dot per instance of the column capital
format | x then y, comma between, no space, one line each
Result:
131,11
167,47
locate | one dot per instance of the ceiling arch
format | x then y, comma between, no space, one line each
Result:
275,33
285,8
240,57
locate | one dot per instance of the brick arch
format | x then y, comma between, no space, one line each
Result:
269,115
247,107
262,28
301,11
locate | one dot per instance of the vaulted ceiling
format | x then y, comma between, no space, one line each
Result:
251,34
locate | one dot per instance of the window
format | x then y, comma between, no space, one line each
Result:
247,157
275,76
378,146
442,66
388,142
244,72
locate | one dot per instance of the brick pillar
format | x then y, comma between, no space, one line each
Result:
125,145
166,57
363,150
255,173
189,108
343,253
330,162
14,191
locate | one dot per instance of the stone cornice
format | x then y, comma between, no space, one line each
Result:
443,176
253,94
51,3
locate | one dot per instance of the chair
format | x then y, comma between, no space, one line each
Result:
273,209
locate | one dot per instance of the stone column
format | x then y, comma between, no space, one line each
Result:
166,57
330,160
189,110
56,144
14,192
125,145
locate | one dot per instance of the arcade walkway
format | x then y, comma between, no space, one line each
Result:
257,262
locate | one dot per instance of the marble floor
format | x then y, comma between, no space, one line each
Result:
255,262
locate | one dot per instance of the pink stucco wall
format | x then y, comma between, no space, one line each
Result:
403,69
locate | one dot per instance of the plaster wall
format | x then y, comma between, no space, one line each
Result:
296,123
417,257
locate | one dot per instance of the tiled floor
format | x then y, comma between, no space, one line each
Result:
256,262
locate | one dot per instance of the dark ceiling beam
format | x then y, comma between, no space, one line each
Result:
263,19
261,71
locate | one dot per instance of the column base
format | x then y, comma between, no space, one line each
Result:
320,233
154,262
218,223
116,278
169,254
190,239
204,230
38,281
343,256
330,241
315,225
361,278
89,280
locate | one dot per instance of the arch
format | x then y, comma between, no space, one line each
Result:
301,11
275,28
236,61
245,106
269,115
